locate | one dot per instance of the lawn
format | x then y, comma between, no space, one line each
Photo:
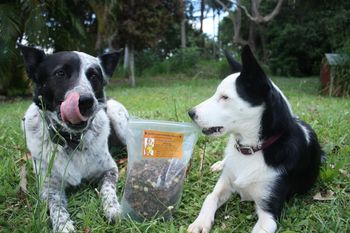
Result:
168,98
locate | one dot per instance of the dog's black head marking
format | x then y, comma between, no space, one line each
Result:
109,61
55,75
252,84
32,58
74,78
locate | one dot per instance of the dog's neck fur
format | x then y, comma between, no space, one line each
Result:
249,138
62,137
249,133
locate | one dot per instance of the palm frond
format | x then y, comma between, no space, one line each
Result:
9,21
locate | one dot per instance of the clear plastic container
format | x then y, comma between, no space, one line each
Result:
158,155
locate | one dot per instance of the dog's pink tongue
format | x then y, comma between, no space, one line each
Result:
70,109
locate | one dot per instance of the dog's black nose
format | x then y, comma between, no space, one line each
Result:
86,103
192,114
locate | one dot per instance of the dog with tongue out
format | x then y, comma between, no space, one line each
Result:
68,126
70,109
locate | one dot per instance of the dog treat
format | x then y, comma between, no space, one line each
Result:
154,186
158,154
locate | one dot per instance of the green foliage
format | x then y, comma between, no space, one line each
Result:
38,23
12,79
226,31
303,32
183,59
180,61
191,62
146,59
12,17
212,69
143,23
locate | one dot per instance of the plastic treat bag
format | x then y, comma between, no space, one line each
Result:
158,154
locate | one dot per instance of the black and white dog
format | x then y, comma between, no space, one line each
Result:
271,154
68,125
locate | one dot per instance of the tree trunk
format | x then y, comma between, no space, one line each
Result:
255,18
214,45
263,42
131,70
183,33
98,41
201,22
252,35
202,16
252,26
218,34
126,57
101,12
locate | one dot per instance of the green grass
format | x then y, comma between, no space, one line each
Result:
168,98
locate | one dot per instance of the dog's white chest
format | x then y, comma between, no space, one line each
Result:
248,175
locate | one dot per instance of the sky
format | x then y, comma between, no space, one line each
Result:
210,27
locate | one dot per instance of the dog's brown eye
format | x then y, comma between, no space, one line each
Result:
60,74
224,97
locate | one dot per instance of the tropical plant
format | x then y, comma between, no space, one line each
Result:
40,23
18,20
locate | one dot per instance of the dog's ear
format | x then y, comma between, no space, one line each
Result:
252,79
109,61
32,58
235,66
251,68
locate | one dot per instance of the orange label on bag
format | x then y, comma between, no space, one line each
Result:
158,144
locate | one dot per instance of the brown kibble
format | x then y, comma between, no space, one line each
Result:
160,181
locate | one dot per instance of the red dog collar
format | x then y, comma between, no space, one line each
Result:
249,150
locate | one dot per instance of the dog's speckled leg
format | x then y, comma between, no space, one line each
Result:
108,194
54,193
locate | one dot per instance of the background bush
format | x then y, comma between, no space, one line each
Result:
191,62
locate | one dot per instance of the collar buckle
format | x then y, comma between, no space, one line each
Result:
246,150
249,150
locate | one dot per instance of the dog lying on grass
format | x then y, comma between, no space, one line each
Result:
68,125
271,154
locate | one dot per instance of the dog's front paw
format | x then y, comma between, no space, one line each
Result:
112,210
267,226
64,227
200,226
218,166
259,230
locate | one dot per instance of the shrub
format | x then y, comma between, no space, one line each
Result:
191,62
180,61
211,69
13,81
146,59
